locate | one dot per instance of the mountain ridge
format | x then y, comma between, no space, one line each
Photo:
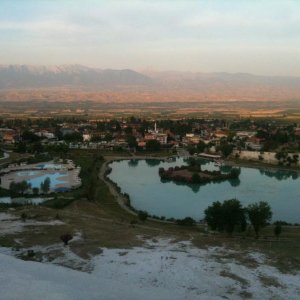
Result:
113,85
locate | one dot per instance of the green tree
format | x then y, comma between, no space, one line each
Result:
19,187
21,148
201,146
225,148
73,137
233,215
153,145
45,186
227,216
30,137
131,140
259,215
24,186
277,230
213,216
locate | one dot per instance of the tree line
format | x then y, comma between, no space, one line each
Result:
231,216
24,186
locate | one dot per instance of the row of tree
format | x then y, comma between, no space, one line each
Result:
231,215
23,186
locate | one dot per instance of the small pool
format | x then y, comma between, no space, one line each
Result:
54,180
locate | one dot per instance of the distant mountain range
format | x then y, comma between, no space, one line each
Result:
23,76
143,86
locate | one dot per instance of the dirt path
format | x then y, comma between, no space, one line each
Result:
120,199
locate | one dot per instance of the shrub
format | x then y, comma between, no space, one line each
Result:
142,215
188,221
277,230
66,238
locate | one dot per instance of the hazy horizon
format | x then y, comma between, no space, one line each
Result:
257,37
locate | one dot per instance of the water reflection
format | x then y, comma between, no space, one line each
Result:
193,186
280,188
234,182
280,174
152,162
133,163
225,168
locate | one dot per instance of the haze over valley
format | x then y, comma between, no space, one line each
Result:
80,83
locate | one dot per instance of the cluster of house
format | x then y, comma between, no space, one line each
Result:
9,136
95,138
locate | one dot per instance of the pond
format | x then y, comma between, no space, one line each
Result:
140,179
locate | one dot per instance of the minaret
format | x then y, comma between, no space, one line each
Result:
155,128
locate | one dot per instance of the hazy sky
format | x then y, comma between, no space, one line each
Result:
261,37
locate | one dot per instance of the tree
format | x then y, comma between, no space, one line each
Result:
23,186
233,215
131,140
227,216
213,216
21,148
128,130
45,186
37,147
30,137
73,137
225,148
19,187
153,145
277,230
201,146
259,215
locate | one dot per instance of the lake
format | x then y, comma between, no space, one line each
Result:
140,179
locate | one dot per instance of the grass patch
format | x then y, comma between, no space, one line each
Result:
242,281
269,281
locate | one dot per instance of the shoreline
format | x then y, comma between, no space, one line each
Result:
259,165
122,199
118,195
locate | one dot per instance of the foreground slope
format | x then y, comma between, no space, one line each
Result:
161,269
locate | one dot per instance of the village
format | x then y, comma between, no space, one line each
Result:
264,141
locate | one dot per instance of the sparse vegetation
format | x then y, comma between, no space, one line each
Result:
259,215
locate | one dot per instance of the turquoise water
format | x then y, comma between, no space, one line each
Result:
27,173
141,181
54,180
50,166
